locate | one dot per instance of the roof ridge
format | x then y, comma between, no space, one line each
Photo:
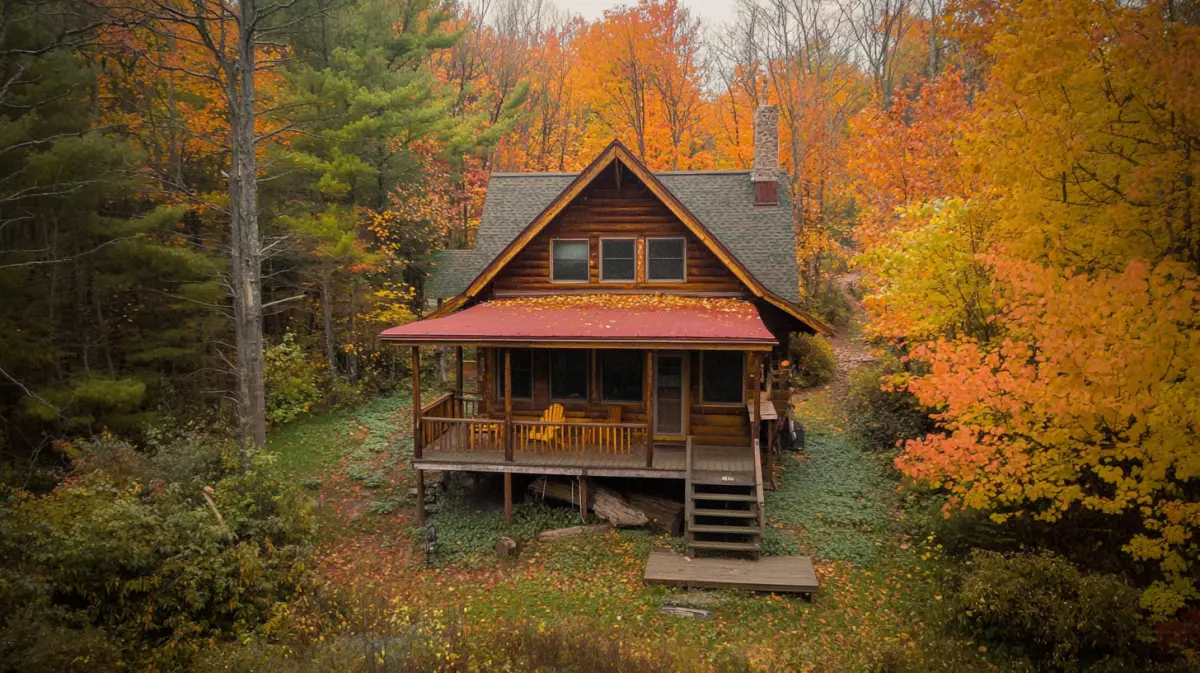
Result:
566,174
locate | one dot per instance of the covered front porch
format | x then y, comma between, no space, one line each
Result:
455,434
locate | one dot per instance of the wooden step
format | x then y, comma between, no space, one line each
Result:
714,528
728,546
731,497
733,513
710,478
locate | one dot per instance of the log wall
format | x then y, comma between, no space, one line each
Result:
606,213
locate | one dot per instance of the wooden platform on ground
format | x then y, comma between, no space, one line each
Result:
779,574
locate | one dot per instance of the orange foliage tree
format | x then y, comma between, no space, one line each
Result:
1076,221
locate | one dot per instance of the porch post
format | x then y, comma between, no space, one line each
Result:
583,497
648,396
416,396
458,380
508,426
508,498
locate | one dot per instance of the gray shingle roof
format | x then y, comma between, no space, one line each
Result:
761,238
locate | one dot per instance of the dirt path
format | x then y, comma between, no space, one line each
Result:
848,346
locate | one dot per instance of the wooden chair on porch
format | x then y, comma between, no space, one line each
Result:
549,434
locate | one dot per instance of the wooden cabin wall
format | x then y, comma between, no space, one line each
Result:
602,212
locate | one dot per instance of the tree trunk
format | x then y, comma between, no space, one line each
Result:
246,248
327,318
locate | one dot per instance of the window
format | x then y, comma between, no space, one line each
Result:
621,375
570,261
569,374
522,373
665,259
721,379
618,259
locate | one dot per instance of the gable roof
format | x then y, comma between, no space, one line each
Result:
757,242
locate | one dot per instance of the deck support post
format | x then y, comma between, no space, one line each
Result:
648,395
756,411
508,426
508,498
583,497
420,497
416,401
458,381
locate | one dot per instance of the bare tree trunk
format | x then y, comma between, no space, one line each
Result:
327,319
246,246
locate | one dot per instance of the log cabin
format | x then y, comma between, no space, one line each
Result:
626,323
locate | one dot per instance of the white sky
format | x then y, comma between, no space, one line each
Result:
713,12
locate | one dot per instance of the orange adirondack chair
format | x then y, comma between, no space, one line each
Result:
549,434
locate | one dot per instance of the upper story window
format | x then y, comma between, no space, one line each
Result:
618,259
665,259
569,260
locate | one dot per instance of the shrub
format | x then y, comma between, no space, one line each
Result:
879,418
812,359
293,381
1044,605
140,558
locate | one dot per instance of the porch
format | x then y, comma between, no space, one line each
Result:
454,435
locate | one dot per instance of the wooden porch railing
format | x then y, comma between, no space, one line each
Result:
578,437
452,405
462,434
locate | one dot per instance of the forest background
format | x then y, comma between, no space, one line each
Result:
208,212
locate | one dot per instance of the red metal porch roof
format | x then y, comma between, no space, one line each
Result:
623,320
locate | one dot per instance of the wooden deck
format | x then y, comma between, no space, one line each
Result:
779,574
669,462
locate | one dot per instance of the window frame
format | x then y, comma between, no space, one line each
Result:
741,388
631,239
683,258
586,241
600,374
499,363
587,377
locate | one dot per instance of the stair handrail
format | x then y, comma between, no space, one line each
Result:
758,491
689,502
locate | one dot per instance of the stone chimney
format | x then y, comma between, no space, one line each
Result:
765,174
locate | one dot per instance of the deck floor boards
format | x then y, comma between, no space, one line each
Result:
779,574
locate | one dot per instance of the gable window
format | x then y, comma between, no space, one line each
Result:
569,260
665,259
569,374
618,259
721,377
522,374
621,373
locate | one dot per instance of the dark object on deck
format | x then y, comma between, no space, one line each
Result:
692,613
508,548
779,574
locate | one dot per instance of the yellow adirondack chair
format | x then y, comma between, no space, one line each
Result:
549,434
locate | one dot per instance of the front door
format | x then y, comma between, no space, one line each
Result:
669,393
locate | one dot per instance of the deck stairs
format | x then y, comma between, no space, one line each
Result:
724,510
